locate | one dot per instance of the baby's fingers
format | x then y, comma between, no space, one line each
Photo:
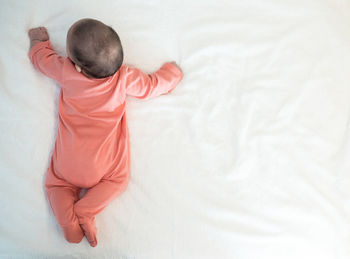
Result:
175,64
39,33
33,31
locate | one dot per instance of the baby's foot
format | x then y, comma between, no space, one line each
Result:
73,233
90,231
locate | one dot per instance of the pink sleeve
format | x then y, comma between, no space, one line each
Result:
46,60
144,86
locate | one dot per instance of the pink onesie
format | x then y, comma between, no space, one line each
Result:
92,144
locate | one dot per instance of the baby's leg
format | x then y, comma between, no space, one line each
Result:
62,197
95,200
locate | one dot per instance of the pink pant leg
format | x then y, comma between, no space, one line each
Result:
62,196
96,199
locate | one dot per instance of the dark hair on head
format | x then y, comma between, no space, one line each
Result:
95,47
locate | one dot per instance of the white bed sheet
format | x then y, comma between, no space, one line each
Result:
248,158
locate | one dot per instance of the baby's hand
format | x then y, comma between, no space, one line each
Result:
37,34
174,63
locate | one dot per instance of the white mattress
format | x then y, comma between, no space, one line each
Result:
248,158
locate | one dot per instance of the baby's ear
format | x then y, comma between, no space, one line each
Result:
77,68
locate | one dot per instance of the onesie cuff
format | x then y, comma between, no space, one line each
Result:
175,73
175,69
39,46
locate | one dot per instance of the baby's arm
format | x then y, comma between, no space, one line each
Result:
41,53
144,86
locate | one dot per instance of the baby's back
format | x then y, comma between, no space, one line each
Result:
91,130
92,137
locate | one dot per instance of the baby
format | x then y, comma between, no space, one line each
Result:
92,144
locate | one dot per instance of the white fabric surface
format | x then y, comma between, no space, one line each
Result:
249,157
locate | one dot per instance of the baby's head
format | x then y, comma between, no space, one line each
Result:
94,48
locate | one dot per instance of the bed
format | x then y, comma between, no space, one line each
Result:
248,158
